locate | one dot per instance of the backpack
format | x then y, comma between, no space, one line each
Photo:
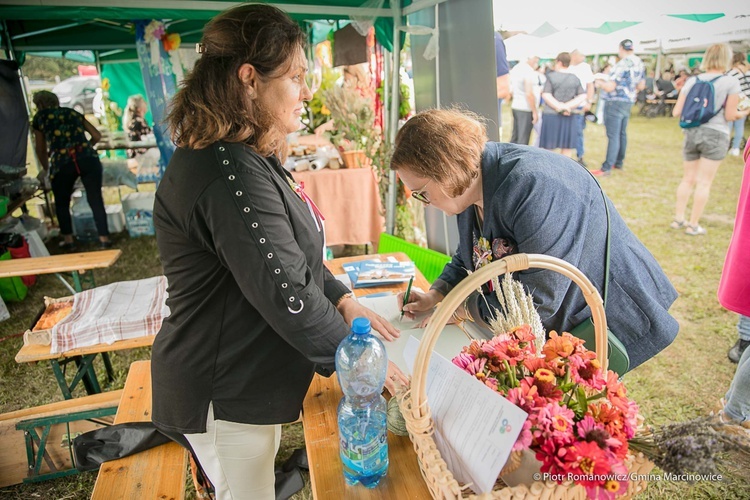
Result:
699,104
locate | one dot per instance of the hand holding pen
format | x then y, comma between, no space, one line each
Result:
406,297
417,302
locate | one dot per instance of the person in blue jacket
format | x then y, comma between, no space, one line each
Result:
511,198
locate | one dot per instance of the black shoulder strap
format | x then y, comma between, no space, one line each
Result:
244,203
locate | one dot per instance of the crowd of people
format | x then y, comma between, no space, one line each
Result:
543,98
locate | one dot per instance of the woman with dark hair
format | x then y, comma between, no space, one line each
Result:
254,311
66,154
511,198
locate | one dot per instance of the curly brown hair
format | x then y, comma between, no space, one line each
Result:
214,103
445,145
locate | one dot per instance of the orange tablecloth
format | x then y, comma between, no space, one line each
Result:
350,202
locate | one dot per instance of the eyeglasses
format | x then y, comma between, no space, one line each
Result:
420,195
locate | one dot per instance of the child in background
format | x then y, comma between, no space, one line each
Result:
134,122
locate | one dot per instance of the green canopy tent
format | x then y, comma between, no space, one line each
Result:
105,26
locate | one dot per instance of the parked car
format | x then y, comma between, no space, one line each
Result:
78,92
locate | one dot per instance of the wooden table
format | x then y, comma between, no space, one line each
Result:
79,265
84,358
404,479
349,200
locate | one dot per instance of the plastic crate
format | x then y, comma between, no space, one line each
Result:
139,223
429,262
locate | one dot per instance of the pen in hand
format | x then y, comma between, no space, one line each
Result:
406,297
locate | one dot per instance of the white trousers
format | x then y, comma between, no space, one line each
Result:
238,458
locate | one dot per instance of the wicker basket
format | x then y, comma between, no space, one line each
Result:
355,159
416,412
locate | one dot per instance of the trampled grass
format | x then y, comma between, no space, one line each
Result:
684,381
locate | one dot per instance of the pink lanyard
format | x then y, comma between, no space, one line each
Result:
300,190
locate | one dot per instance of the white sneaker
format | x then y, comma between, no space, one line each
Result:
734,151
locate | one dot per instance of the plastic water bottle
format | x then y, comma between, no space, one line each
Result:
361,365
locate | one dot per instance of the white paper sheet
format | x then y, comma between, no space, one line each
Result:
475,427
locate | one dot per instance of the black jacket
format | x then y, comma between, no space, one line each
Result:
242,254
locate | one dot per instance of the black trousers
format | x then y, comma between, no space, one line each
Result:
90,172
522,126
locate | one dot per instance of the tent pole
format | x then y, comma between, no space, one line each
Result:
98,63
390,212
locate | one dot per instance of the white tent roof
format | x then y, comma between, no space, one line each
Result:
729,29
649,36
522,46
587,42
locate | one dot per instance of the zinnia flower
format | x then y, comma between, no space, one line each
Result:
557,347
554,422
463,360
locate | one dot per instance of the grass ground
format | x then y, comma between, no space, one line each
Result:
684,381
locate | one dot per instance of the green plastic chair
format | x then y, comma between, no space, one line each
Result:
429,262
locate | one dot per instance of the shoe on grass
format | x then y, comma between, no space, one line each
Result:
695,230
735,353
67,245
676,224
581,162
734,151
733,426
601,173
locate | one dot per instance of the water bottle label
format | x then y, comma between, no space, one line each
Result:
367,457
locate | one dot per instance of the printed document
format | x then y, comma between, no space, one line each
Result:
475,427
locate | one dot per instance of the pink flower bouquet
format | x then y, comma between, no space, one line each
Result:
580,418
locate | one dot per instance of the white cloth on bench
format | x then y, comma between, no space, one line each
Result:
119,311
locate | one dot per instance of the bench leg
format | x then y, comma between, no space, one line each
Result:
108,367
86,365
36,457
85,372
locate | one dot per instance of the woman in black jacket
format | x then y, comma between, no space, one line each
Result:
254,311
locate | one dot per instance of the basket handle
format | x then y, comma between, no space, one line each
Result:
511,263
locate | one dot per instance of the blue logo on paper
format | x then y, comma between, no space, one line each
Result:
505,426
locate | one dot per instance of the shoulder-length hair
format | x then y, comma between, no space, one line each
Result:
717,57
445,145
214,103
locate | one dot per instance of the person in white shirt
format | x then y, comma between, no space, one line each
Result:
526,89
582,69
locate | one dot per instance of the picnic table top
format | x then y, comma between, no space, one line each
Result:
404,478
30,353
82,261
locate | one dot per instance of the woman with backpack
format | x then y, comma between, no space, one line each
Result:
706,105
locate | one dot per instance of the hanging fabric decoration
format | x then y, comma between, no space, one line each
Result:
159,80
431,51
363,23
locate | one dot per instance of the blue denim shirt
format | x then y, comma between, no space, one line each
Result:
536,201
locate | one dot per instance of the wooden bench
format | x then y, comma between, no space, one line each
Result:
79,265
83,358
28,456
158,473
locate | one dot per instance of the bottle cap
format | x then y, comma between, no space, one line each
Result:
361,325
